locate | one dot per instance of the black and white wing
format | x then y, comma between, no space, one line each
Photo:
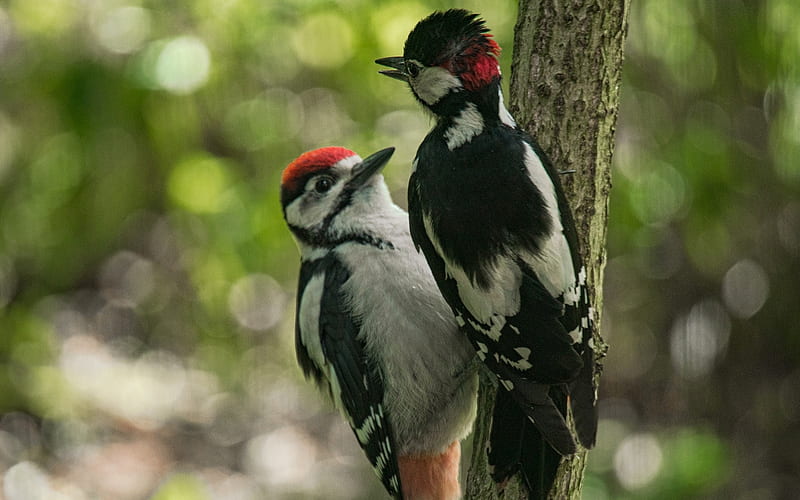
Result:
330,351
578,317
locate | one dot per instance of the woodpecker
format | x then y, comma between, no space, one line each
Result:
487,209
372,328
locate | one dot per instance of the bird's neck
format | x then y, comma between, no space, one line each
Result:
486,101
464,115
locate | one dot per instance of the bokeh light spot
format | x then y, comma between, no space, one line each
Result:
659,194
745,288
698,338
276,116
127,278
44,17
144,391
638,460
324,41
26,481
198,184
283,457
122,30
183,65
257,302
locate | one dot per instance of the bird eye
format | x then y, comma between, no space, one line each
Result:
412,70
323,184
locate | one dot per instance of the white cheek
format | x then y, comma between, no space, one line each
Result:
364,213
307,211
434,83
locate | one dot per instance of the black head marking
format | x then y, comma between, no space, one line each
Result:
443,36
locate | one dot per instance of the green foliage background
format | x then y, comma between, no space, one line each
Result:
147,278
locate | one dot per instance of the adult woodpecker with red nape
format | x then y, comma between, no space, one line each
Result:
372,328
487,209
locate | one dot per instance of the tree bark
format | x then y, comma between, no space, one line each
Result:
565,77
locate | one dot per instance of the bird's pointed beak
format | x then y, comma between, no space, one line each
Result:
373,164
398,65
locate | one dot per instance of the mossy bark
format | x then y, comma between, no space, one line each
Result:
565,78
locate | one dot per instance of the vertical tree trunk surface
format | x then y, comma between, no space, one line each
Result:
565,78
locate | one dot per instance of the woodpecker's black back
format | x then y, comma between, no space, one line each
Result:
488,198
481,206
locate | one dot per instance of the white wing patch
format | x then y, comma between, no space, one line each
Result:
383,457
573,294
367,427
483,350
494,330
309,318
336,392
553,263
521,364
523,352
466,125
499,300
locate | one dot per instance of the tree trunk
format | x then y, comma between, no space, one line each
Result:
565,77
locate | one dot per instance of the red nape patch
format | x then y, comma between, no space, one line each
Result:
312,161
494,47
481,64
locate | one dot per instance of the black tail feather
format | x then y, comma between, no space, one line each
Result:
546,405
516,445
539,463
505,441
584,402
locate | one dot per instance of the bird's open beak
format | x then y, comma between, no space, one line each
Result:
399,67
373,164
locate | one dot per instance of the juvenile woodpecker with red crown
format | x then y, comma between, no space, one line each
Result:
487,209
372,328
